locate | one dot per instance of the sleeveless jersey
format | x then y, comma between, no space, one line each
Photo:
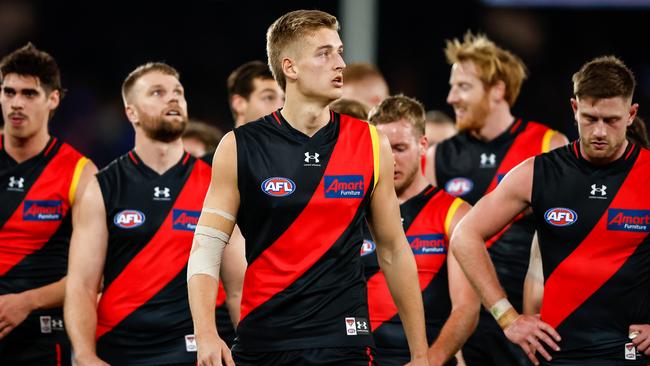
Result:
426,218
143,316
593,225
469,168
301,213
36,223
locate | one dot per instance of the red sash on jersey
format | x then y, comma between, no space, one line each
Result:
20,238
431,219
320,224
143,277
600,255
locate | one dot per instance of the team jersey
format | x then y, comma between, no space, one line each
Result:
470,168
593,225
301,212
426,218
143,316
36,222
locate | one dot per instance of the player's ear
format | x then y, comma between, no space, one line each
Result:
290,69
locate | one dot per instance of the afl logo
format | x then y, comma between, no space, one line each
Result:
459,186
560,216
367,247
129,219
278,186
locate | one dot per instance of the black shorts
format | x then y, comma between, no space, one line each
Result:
400,357
147,350
308,357
31,344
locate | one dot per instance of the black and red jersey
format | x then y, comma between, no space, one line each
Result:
302,210
470,168
593,225
426,218
35,219
143,316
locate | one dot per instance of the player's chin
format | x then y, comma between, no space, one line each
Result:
335,92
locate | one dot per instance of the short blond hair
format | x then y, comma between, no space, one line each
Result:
289,28
143,70
397,107
493,63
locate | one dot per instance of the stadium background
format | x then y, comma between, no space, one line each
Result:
97,43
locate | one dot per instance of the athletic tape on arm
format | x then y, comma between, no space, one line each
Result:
207,248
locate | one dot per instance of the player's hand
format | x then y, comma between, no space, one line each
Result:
13,311
527,331
642,338
213,351
88,360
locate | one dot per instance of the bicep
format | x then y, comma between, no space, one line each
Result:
86,176
384,216
89,239
223,193
498,208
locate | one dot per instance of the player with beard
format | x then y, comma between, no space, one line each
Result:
136,225
590,207
484,84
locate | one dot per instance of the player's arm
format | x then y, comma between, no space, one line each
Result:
88,247
558,140
489,215
14,308
534,282
232,273
465,306
396,257
210,238
430,166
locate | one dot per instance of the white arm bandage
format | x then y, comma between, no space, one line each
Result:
207,249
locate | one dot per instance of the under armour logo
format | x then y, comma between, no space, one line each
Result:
488,161
16,183
158,193
57,324
362,325
596,189
309,157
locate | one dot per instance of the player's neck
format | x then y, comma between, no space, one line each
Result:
413,189
21,149
157,155
239,121
496,123
604,160
304,114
